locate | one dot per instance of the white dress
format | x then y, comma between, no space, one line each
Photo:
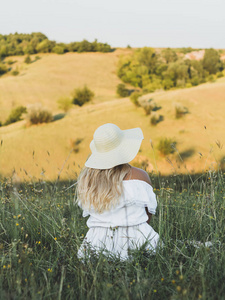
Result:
124,226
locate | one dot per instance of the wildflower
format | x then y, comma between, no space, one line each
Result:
162,279
199,296
17,224
155,291
19,216
49,270
178,288
177,272
181,277
68,286
25,279
55,238
4,267
173,281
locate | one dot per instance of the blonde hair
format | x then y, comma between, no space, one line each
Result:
101,189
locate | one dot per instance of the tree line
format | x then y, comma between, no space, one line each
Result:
37,42
150,70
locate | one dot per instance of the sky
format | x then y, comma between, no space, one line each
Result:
139,23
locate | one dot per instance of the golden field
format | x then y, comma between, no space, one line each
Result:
45,151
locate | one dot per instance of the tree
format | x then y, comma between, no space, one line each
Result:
45,46
82,95
211,61
148,57
169,55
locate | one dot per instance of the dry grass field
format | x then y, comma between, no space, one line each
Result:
45,151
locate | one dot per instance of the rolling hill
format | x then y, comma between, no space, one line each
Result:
43,152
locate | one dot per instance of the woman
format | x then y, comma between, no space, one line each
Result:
118,197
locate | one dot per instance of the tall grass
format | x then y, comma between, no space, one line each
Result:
41,229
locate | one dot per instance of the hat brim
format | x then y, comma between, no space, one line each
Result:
123,153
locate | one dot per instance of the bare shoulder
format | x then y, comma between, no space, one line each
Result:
140,175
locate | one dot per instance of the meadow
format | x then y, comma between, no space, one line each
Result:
42,228
31,151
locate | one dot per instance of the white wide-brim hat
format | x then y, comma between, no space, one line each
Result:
112,146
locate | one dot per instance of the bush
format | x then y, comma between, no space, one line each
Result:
64,103
166,146
122,91
37,114
219,75
155,119
82,95
3,69
195,81
15,72
134,98
27,59
180,111
10,62
15,115
147,105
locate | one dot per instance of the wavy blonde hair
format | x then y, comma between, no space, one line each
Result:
101,189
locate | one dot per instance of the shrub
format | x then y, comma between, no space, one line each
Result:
155,119
219,75
188,85
166,146
64,103
180,111
37,114
10,62
3,69
15,115
27,59
167,84
195,81
82,95
122,91
15,72
134,98
147,105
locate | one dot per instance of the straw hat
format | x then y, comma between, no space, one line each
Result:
112,146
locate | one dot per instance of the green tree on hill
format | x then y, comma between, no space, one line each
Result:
211,61
169,55
82,95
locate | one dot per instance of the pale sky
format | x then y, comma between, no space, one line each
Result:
154,23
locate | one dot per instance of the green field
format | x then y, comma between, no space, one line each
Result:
42,228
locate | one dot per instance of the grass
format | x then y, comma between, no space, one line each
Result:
54,76
42,229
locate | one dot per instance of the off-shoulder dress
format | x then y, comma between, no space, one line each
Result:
125,226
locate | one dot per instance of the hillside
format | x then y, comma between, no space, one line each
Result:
54,76
44,151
